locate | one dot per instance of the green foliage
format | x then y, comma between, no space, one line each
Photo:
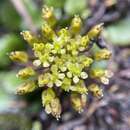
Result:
14,121
11,19
119,33
64,66
37,125
73,7
8,14
8,86
9,43
55,3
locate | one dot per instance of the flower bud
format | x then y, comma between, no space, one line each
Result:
78,101
74,52
48,109
108,73
95,31
54,68
19,56
84,41
74,68
55,108
48,32
84,75
27,87
75,79
47,96
51,58
103,54
66,84
61,75
26,73
48,15
79,88
44,59
51,103
97,73
82,48
50,84
87,62
43,79
30,38
64,32
69,74
96,90
36,63
76,25
38,47
62,51
58,83
63,68
46,64
104,80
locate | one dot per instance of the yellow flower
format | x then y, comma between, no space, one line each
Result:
62,61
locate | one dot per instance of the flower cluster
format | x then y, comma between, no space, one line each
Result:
60,63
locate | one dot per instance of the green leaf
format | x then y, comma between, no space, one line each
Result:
8,16
119,33
55,3
9,81
75,6
8,85
9,43
5,100
102,64
36,126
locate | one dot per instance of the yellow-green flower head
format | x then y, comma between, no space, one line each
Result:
61,61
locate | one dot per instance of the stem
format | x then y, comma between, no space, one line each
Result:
21,9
